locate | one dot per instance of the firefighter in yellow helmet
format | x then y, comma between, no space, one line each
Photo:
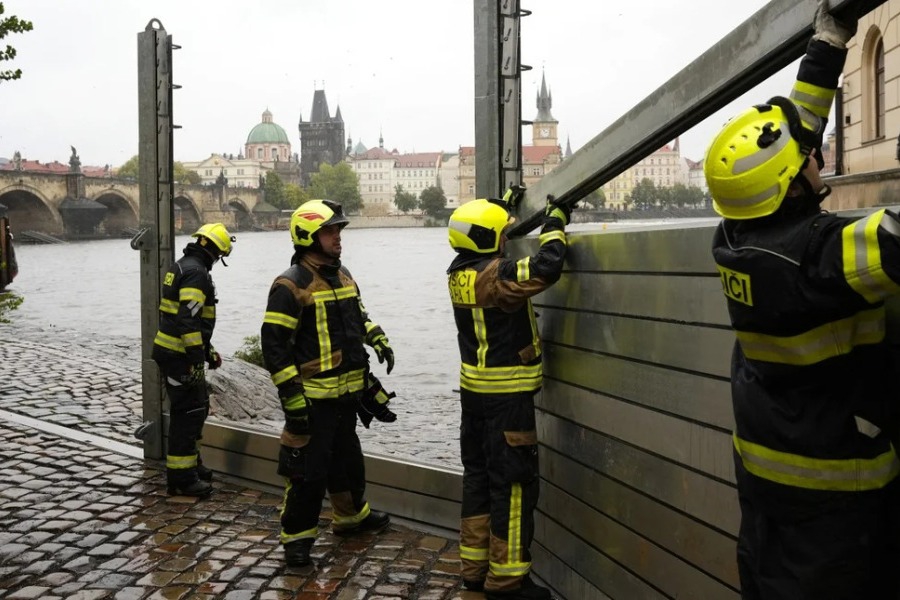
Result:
500,352
187,316
813,387
313,337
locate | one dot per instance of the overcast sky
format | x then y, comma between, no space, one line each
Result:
403,68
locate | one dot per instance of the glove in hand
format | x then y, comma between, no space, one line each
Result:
830,30
562,212
374,403
195,375
296,412
213,358
379,342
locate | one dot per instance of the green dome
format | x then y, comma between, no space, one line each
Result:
267,132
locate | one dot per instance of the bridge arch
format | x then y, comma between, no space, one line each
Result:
243,219
120,214
29,209
187,214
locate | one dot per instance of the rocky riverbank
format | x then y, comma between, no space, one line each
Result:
92,383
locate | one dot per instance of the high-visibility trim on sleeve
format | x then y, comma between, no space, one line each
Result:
187,294
285,374
277,318
523,269
862,257
551,236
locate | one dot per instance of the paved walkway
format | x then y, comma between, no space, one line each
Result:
82,516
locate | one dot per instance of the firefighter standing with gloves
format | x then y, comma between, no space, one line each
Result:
813,386
500,351
312,342
187,316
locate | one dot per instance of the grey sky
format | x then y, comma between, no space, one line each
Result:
401,67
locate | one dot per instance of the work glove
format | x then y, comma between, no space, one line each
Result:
561,212
379,342
296,410
513,196
830,30
195,375
374,403
213,358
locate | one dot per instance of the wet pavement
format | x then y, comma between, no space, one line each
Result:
83,516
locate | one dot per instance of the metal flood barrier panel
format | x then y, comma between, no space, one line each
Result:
637,493
635,419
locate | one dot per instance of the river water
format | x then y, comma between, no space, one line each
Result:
87,292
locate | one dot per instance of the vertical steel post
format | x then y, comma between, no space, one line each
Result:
156,236
488,172
511,101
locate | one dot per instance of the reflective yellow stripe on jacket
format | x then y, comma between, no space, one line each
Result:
334,387
500,380
175,344
841,475
817,344
862,257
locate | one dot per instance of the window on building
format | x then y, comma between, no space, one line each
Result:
260,153
879,89
873,87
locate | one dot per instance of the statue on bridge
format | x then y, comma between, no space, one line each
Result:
74,162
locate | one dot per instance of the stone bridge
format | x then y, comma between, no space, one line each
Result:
72,205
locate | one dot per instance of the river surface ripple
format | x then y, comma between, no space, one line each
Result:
89,293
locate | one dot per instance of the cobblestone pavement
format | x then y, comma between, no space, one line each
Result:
81,521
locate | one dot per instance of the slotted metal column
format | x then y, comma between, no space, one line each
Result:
498,97
155,239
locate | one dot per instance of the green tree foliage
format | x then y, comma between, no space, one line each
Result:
183,175
8,25
295,195
403,200
275,192
251,351
338,183
432,201
683,196
596,199
132,170
643,195
8,303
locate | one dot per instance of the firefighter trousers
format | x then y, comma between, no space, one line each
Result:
333,461
844,551
189,407
498,445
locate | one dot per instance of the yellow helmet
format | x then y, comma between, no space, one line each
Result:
218,235
312,216
751,163
477,226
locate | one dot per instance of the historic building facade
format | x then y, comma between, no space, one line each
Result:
374,168
321,137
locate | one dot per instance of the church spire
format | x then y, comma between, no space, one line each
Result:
544,103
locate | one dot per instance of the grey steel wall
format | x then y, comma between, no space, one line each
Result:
638,497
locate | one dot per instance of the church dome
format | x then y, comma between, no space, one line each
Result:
267,132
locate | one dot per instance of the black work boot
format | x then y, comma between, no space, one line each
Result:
196,488
476,585
296,553
204,474
529,590
376,521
